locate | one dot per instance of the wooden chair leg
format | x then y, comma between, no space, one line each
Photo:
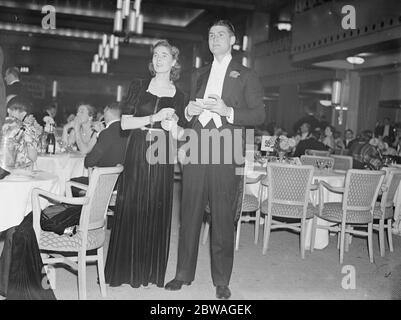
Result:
390,235
100,271
205,232
342,238
303,233
82,275
346,242
238,234
370,244
257,219
313,235
381,237
338,239
266,235
348,239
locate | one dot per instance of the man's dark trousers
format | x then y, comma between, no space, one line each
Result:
216,184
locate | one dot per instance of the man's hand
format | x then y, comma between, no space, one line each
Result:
194,109
218,106
98,126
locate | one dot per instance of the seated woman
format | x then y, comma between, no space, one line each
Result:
328,138
81,131
24,131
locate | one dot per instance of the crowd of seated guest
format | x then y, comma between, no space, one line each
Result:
370,149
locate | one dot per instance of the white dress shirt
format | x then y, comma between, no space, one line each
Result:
215,86
111,122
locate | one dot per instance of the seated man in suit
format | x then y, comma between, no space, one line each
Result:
348,139
50,111
311,142
14,87
109,149
385,130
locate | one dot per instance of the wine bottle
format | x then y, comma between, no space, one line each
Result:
51,141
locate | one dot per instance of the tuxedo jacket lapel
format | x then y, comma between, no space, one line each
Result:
229,82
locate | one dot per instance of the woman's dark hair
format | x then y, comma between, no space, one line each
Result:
176,69
366,135
307,125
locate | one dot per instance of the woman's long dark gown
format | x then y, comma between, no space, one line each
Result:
140,235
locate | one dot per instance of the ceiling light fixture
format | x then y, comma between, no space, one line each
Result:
130,12
355,60
108,50
325,103
284,26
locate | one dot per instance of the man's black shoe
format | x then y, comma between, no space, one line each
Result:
175,285
223,292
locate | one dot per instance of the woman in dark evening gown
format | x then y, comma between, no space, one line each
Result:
140,236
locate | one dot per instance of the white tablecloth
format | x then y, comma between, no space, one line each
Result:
64,165
333,178
15,195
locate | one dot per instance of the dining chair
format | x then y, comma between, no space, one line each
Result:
318,153
288,189
317,161
113,199
342,162
384,210
341,152
250,203
91,229
360,192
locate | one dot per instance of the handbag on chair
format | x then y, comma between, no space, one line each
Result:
61,219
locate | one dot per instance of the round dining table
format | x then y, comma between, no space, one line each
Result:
15,194
65,165
332,177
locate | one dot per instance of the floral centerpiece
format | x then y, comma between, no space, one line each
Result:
16,138
281,145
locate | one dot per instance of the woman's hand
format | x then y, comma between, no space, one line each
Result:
78,120
163,114
170,123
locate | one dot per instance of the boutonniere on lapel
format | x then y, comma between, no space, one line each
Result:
234,74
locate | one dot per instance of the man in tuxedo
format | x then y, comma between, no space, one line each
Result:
3,104
235,100
109,149
385,130
311,142
14,86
